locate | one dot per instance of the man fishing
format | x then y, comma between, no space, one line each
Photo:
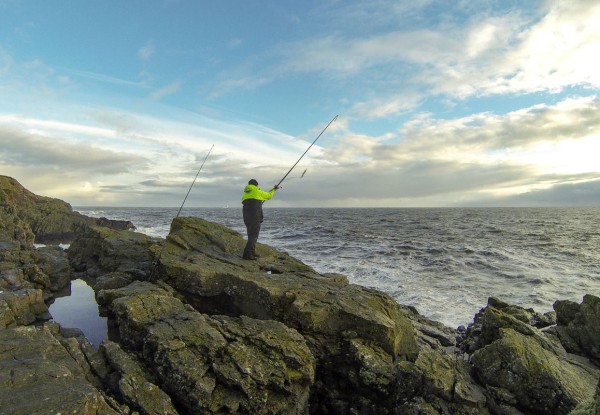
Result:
252,199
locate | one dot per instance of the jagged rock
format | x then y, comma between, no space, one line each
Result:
38,375
201,260
98,250
131,382
591,407
22,307
137,306
444,381
526,315
526,367
12,258
578,326
215,364
52,261
27,268
12,228
536,377
429,333
116,224
496,315
110,281
52,221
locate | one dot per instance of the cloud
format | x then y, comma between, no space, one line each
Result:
585,193
490,137
124,158
103,78
437,162
169,89
231,82
386,106
146,51
558,51
235,43
492,54
44,153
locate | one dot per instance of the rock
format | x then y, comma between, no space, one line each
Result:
12,228
578,326
130,381
22,307
97,251
429,333
116,224
111,281
201,260
52,221
39,376
44,268
215,364
52,261
590,407
238,365
443,381
536,377
528,316
496,315
136,307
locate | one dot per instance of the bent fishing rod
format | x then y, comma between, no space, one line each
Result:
303,154
155,263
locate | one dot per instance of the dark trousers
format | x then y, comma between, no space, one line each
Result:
253,217
252,229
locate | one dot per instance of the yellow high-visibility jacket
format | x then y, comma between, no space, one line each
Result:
254,192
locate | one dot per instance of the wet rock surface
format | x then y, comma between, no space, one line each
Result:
198,330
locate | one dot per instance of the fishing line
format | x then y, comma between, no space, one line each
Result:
155,263
321,133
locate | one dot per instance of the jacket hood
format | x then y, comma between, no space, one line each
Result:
249,188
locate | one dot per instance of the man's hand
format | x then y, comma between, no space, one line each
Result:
276,187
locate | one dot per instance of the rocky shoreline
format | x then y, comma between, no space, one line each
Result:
197,330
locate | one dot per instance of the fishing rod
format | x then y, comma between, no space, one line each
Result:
303,154
190,189
155,263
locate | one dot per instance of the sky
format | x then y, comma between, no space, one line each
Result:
438,103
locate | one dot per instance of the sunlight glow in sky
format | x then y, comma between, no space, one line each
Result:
466,103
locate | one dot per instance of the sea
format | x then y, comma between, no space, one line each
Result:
446,262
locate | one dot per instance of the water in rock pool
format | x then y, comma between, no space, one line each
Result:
79,310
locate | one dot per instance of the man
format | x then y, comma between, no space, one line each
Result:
252,199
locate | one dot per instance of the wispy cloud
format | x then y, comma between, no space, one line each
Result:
235,43
99,77
170,89
508,53
33,150
114,151
146,51
385,106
